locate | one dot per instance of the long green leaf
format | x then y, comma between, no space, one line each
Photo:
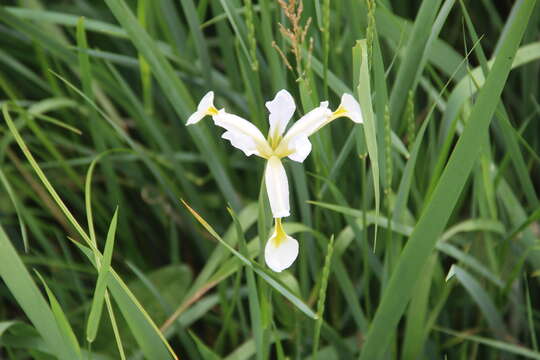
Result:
439,207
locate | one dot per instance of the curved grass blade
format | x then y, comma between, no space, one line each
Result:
270,280
152,342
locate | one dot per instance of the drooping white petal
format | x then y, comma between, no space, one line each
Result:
277,187
242,134
239,141
302,148
295,143
279,255
351,108
281,110
205,106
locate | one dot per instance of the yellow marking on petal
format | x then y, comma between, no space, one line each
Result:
280,234
340,111
211,111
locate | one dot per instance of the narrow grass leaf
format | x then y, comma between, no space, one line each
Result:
101,285
61,319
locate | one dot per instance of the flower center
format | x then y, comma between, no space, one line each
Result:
211,111
340,111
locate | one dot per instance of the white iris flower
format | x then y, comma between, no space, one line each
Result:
281,250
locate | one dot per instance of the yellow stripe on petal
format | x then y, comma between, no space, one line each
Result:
281,250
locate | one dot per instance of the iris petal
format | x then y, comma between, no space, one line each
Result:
205,105
281,110
277,187
280,256
242,134
295,143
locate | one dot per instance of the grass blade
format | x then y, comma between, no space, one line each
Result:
101,285
439,207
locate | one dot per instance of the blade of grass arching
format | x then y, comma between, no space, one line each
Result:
29,299
17,205
495,344
204,281
412,59
325,275
96,308
360,56
60,317
177,94
482,299
269,279
255,308
145,331
440,205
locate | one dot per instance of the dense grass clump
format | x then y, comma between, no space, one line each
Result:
125,234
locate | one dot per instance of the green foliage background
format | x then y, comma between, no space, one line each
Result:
418,231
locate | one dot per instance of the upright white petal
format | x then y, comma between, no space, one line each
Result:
350,108
281,110
295,143
281,250
242,134
205,107
310,122
277,187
